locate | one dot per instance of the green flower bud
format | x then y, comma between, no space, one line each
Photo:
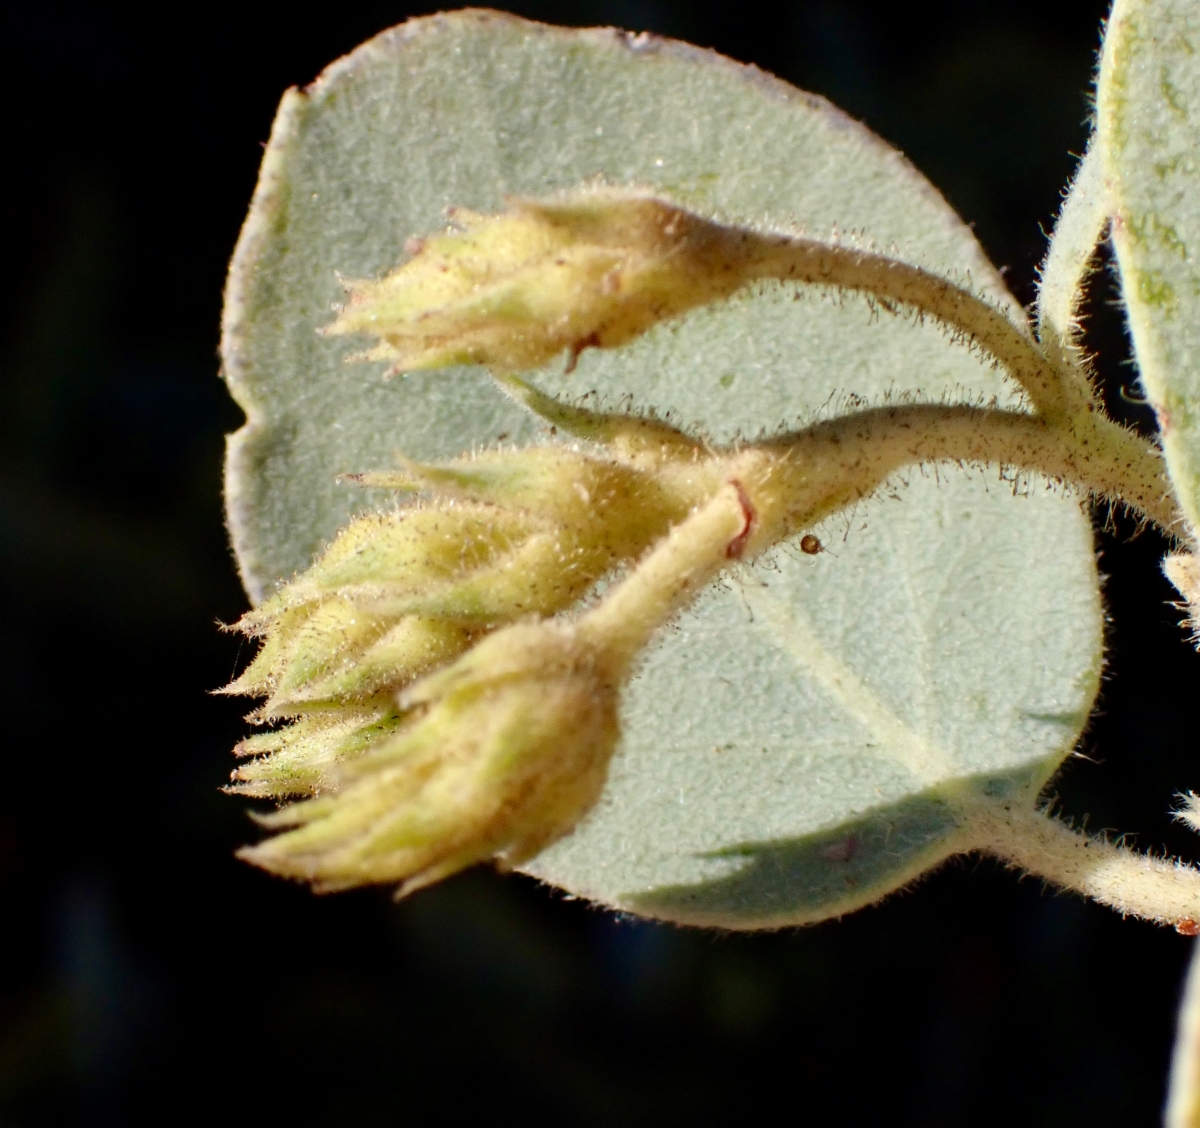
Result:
588,269
301,758
414,550
503,752
507,535
512,533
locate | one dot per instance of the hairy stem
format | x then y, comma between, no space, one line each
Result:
1162,890
776,490
668,578
1056,392
853,454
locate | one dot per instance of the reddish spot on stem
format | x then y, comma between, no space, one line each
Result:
592,341
1187,927
735,548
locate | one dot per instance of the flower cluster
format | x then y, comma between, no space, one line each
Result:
495,756
505,535
594,268
434,713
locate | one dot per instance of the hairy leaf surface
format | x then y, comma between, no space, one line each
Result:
1149,133
802,739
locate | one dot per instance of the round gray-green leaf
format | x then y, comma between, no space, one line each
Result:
803,740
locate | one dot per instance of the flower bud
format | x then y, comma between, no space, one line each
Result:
504,751
593,268
350,629
302,758
507,535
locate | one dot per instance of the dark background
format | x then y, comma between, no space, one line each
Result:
147,978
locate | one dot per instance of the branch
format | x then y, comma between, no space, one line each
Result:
1054,392
669,577
1163,890
840,461
596,268
856,453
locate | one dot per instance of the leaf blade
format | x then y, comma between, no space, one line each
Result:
465,108
1149,131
